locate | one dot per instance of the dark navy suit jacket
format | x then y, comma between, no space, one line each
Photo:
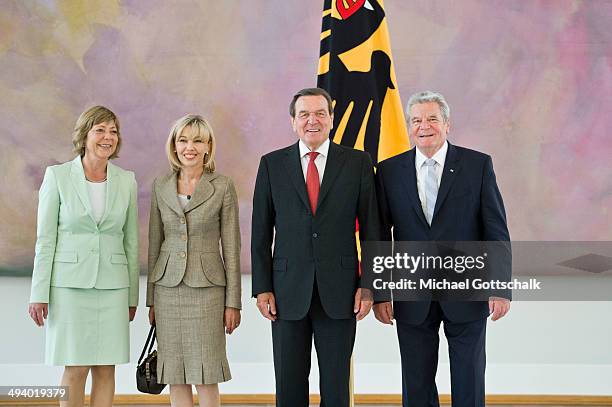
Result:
469,207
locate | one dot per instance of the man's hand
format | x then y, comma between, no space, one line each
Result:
384,312
498,307
363,303
267,305
38,312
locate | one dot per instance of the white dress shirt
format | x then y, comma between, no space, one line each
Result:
320,161
421,170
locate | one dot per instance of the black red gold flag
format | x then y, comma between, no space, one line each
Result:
356,68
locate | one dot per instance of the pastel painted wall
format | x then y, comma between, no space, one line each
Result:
529,82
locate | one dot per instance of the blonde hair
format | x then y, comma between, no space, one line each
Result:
198,126
89,118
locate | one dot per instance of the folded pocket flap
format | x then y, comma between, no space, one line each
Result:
159,269
213,268
279,264
119,259
162,261
65,257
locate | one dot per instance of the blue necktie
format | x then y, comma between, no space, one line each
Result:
431,189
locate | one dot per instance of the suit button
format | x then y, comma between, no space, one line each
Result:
315,235
183,220
182,254
184,237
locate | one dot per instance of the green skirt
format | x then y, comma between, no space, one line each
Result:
87,326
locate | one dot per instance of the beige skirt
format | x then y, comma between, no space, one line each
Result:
190,335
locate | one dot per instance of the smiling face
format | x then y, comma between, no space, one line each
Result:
191,148
427,127
101,141
312,121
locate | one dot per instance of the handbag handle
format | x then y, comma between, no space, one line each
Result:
151,339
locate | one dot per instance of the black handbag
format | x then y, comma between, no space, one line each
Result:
146,372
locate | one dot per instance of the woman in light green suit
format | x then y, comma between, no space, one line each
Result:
85,278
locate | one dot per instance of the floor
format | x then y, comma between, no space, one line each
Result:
313,405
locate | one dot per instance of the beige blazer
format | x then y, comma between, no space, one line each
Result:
184,244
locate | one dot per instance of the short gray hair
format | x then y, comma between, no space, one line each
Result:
427,97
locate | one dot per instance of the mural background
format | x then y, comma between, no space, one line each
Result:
529,82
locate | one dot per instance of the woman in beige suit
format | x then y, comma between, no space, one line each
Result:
193,288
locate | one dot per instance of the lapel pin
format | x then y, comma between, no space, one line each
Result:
452,170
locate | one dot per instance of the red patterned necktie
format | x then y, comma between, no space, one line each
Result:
312,181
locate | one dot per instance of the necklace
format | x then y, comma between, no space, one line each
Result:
96,182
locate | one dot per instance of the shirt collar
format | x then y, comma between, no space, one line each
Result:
323,148
439,156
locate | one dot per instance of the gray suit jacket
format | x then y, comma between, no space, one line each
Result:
184,244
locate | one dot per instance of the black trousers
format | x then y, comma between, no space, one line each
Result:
419,353
292,346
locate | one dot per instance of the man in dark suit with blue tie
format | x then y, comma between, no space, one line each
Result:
440,192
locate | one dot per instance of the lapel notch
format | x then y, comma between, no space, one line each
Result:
203,191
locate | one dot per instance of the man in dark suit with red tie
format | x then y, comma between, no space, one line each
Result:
440,192
303,251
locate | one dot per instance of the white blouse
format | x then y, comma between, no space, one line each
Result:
183,200
97,198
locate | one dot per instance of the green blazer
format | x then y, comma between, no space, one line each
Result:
72,250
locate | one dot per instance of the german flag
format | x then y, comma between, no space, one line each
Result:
356,68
